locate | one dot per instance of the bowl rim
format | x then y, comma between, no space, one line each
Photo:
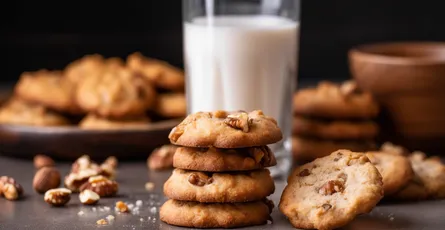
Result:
362,52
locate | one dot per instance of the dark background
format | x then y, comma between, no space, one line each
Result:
38,34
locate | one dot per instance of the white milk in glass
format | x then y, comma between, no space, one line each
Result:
242,63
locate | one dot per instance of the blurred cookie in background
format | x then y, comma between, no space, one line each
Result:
171,105
92,121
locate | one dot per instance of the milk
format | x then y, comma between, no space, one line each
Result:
242,63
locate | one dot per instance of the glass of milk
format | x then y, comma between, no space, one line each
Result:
242,55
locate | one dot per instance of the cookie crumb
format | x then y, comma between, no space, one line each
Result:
102,222
121,207
110,217
93,209
80,213
106,208
149,186
153,210
139,203
142,219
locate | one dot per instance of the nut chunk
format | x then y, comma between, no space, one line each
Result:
238,121
122,207
161,158
88,197
101,185
57,196
9,188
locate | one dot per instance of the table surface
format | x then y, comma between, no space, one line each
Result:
32,212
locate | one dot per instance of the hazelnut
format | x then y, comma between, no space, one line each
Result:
41,161
57,196
88,197
9,188
239,121
101,185
45,179
161,158
122,207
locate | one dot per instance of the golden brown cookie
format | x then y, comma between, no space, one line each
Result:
391,148
223,160
92,121
334,130
162,74
216,215
396,170
84,67
428,181
223,129
207,187
331,191
161,158
171,105
329,100
308,149
18,112
47,88
115,93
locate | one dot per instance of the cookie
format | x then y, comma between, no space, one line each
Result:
428,181
18,112
162,74
396,170
391,148
334,130
92,121
115,93
216,215
308,149
171,105
223,160
329,100
161,158
84,67
331,191
223,129
209,187
47,88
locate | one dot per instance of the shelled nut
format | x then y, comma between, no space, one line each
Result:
101,185
9,188
41,161
88,197
57,196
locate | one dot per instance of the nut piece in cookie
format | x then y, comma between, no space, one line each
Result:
223,160
161,158
45,179
101,185
395,169
47,88
57,196
19,112
94,122
116,93
331,191
222,129
215,215
10,188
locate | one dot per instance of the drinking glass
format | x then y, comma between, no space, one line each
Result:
242,55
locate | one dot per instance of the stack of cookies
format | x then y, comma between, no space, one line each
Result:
221,178
331,117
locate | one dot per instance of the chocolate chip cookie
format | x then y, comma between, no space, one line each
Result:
162,74
330,100
215,215
223,129
209,187
171,105
92,121
47,88
333,129
331,191
308,149
115,93
395,169
223,160
428,181
16,111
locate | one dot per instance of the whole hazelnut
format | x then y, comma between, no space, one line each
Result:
41,161
45,179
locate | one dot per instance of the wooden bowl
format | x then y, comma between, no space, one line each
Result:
408,79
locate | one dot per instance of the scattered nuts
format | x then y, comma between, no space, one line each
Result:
41,161
238,121
101,185
107,171
57,196
111,161
45,179
199,179
149,186
332,187
102,222
83,162
75,179
9,188
88,197
122,207
161,158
